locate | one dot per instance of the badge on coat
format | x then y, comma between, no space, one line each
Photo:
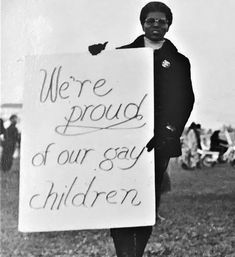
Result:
166,64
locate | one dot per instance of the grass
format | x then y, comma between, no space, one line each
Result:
199,213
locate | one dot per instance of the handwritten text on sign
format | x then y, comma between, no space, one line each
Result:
87,120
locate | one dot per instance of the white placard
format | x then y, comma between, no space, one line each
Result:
86,121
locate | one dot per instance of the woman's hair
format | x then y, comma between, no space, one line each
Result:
156,7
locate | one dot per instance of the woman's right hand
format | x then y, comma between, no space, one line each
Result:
97,48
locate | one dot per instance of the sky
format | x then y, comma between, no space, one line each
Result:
201,30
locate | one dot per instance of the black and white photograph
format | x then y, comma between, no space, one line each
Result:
117,128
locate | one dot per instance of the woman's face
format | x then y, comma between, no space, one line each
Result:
155,26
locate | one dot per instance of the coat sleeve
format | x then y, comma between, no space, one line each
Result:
180,99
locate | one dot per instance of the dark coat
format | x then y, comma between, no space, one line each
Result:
11,137
173,93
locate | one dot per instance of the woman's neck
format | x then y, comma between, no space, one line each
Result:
153,44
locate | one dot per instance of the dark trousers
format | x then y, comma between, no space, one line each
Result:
7,155
131,242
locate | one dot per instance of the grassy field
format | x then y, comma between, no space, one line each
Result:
199,214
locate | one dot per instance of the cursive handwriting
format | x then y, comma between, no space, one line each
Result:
53,88
127,157
81,118
76,195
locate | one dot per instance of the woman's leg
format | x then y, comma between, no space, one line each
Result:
130,242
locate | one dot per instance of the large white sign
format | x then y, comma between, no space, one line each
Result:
86,121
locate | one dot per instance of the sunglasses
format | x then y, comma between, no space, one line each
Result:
161,22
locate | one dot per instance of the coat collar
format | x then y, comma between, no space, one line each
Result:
167,47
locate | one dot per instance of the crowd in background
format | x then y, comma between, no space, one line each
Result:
196,141
193,139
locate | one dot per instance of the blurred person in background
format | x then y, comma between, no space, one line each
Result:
2,128
218,145
191,143
2,131
10,139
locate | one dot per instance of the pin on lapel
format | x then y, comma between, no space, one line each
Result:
166,64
